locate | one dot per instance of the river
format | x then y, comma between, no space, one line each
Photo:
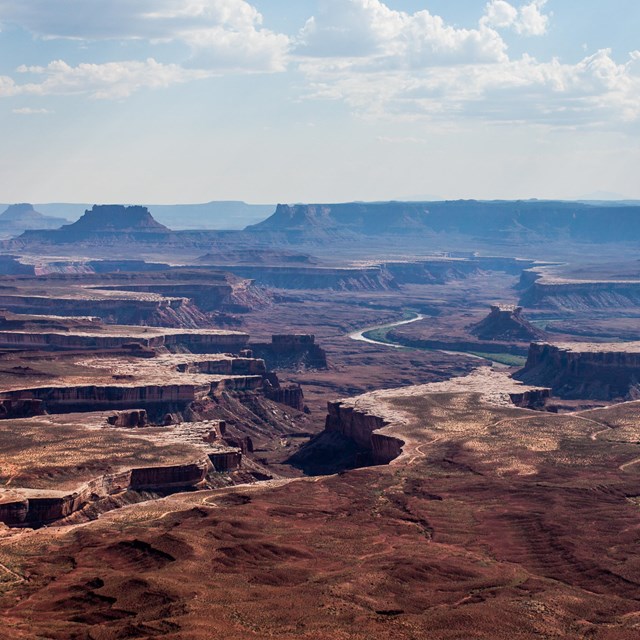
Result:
359,335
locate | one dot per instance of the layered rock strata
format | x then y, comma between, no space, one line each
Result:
545,291
604,371
506,323
291,351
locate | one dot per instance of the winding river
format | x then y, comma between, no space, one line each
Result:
360,334
361,337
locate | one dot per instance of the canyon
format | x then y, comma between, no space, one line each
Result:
177,405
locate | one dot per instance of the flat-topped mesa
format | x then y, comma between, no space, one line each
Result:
365,278
105,222
287,351
604,371
505,323
543,290
118,337
534,220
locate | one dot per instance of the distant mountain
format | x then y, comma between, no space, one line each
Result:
486,220
17,218
211,215
105,223
115,217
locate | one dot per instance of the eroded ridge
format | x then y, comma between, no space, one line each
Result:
99,424
468,524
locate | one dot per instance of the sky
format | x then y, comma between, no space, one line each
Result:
268,101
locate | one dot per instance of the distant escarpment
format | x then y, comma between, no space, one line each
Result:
105,222
542,292
17,218
585,370
517,220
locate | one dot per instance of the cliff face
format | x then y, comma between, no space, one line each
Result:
291,351
168,312
575,371
156,398
35,508
576,296
484,219
303,277
362,428
231,342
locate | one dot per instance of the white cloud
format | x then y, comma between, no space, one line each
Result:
29,111
220,33
369,28
532,21
391,64
108,80
597,90
527,20
500,14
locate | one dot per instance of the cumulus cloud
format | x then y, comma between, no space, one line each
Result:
528,19
369,28
391,64
220,32
596,90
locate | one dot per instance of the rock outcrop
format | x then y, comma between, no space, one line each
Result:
505,323
585,370
502,220
362,428
373,278
568,295
103,338
291,351
225,461
32,508
136,418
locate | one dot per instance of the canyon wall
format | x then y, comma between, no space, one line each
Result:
288,351
601,372
372,278
578,296
362,428
31,508
153,397
231,342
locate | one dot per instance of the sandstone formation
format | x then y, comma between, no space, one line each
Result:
485,219
129,419
101,337
224,461
373,278
541,290
505,323
604,371
362,428
288,351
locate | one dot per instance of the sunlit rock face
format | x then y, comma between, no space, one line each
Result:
604,371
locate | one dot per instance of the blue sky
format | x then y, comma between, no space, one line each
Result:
326,100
